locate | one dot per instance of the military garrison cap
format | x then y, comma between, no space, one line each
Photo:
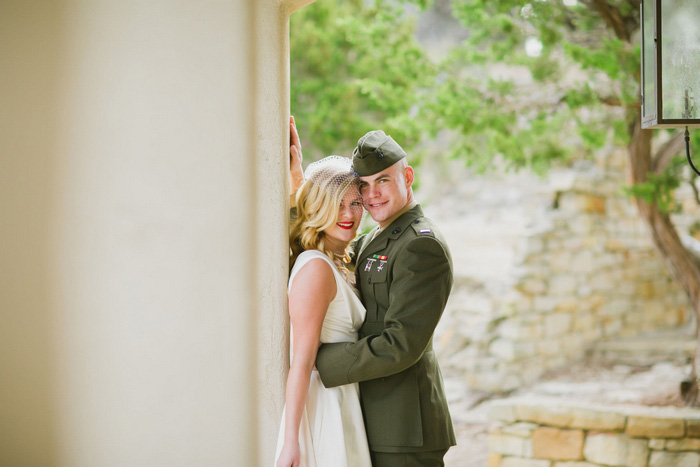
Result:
375,152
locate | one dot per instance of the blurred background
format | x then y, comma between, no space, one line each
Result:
574,232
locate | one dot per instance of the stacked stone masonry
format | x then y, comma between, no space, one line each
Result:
584,270
532,433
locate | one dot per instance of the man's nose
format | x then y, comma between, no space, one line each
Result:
372,192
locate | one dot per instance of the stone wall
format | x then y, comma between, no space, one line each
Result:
532,433
573,265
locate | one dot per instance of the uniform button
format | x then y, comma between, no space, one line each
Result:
369,280
416,221
396,230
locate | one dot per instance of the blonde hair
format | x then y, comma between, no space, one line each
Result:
317,204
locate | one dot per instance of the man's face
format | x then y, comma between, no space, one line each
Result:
387,192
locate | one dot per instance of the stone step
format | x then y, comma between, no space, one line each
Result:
674,345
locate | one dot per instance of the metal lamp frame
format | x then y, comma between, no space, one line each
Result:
656,120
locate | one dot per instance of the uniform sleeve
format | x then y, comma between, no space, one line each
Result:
422,279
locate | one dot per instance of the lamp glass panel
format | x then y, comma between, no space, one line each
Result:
680,63
649,61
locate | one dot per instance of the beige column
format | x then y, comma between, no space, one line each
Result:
272,108
128,251
28,65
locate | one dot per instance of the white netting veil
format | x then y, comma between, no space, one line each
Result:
330,172
330,192
327,183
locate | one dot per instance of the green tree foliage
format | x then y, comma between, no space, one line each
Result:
355,67
536,83
556,104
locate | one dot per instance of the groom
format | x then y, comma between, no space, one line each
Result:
404,273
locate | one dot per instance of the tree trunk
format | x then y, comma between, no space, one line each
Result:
666,240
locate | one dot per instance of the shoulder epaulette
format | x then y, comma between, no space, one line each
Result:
422,228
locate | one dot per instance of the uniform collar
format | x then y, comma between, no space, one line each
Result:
378,230
403,210
393,230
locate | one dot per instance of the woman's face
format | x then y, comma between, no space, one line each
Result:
349,215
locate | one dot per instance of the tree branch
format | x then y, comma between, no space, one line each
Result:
612,17
691,182
666,152
616,102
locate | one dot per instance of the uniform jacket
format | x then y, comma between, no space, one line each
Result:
404,276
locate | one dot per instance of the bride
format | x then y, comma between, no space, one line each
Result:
323,427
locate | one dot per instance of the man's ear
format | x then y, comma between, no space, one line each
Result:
408,175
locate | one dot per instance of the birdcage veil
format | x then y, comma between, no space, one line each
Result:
330,173
326,182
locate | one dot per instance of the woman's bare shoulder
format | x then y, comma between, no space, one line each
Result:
313,274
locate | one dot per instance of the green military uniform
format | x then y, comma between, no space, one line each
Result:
405,276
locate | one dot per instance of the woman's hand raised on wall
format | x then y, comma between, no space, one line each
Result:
295,171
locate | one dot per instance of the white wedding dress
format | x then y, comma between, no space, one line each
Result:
332,430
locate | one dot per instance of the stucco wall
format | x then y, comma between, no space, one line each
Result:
272,137
129,255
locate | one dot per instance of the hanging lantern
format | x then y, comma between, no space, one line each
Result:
670,63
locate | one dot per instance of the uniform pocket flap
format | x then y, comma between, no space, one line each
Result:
373,269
